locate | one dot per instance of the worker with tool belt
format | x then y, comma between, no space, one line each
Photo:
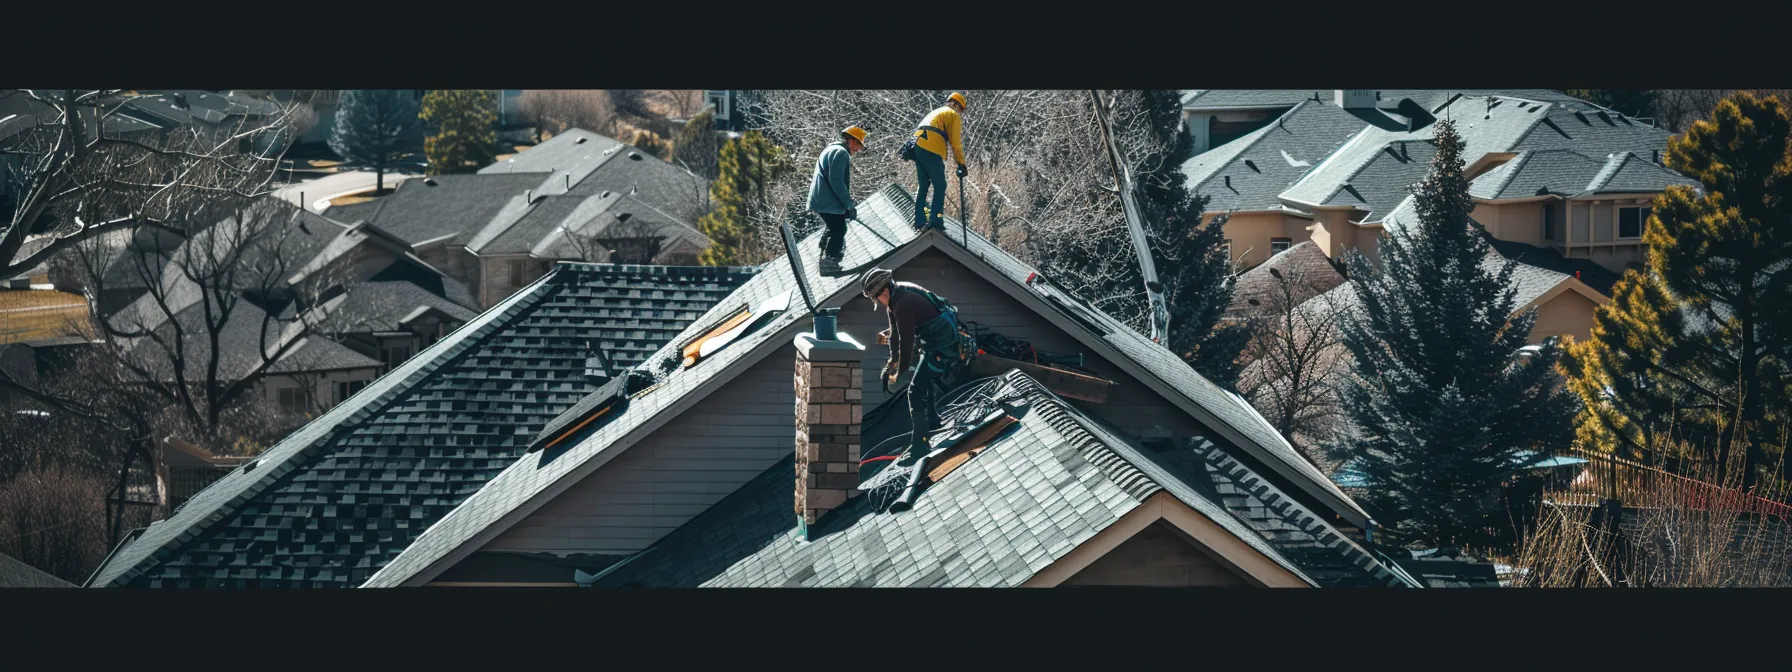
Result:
928,150
830,194
919,319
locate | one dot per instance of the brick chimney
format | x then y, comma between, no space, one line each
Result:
829,404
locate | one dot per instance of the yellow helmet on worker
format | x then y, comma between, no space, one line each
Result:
855,133
956,98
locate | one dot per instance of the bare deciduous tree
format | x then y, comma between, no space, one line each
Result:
55,520
82,169
1297,359
233,301
556,110
1040,185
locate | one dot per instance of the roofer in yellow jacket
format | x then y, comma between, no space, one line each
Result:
940,126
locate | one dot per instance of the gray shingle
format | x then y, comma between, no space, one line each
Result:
345,494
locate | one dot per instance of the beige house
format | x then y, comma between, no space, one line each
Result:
1549,170
579,196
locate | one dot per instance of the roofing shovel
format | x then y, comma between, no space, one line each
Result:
963,219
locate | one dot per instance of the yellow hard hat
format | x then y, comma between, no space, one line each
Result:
856,132
957,98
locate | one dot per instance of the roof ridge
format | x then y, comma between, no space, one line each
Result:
1512,169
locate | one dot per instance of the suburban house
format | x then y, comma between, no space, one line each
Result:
1548,170
670,461
339,306
579,196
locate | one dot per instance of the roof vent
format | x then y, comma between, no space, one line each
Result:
569,181
1252,165
579,141
1582,116
1655,155
1228,186
1403,154
635,156
429,181
606,194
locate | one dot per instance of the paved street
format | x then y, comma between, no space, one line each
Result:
322,189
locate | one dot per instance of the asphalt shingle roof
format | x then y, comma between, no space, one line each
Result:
457,205
17,574
1561,172
1248,173
1031,497
343,495
1303,264
886,227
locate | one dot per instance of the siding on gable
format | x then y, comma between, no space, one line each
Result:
1156,556
679,471
1131,406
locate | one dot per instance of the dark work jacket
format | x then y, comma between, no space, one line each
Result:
909,309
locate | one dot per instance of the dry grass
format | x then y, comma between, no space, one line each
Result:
362,196
31,315
1667,534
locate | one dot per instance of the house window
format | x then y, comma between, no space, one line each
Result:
292,399
1630,221
347,389
1276,245
1549,222
393,355
1227,246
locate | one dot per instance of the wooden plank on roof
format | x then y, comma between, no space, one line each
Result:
692,349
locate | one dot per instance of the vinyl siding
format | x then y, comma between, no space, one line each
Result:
1156,556
679,471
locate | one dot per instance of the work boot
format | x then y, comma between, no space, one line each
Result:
830,264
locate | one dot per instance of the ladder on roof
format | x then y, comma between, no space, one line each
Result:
1135,224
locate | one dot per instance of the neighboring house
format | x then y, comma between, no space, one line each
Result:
1547,169
579,196
352,303
1304,267
679,472
353,488
17,574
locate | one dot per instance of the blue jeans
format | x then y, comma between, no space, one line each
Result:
930,168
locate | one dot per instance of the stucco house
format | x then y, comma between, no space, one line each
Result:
1548,170
579,196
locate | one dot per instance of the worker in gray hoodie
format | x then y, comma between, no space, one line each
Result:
830,194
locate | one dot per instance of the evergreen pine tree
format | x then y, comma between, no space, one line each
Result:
463,122
1442,401
1700,342
1190,257
749,166
375,128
